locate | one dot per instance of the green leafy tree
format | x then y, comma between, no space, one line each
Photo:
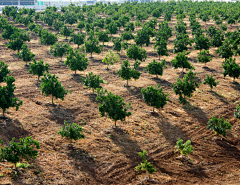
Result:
126,72
231,68
26,54
136,53
66,31
204,57
112,105
202,42
161,48
8,99
185,87
103,36
225,51
142,37
117,44
155,97
210,81
111,58
71,131
181,42
59,49
145,165
38,68
57,25
77,38
76,61
92,44
181,61
156,68
237,112
14,152
17,40
92,81
48,38
112,28
51,86
81,25
185,148
219,125
4,71
8,31
127,35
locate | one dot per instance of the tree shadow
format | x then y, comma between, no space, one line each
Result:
162,82
152,54
209,69
136,91
220,97
92,96
60,113
12,128
170,132
235,85
97,61
77,78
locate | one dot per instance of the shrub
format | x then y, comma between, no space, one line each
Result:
185,148
25,148
136,53
92,81
154,96
156,68
38,68
181,61
111,58
219,126
71,131
210,81
4,71
59,49
204,57
26,54
231,68
237,112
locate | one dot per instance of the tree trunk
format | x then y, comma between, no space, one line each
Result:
3,114
61,58
52,100
127,83
75,71
115,124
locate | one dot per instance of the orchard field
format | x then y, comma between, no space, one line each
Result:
109,154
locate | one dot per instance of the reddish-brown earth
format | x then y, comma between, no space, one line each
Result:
108,155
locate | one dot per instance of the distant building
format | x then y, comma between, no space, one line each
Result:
17,2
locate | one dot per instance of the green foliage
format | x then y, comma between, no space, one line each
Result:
66,31
156,68
181,61
8,31
92,81
161,48
202,42
210,81
185,148
219,126
26,54
38,68
136,53
225,51
4,71
117,44
126,72
154,96
142,37
71,131
59,49
111,58
204,57
181,42
51,85
7,98
103,36
77,38
237,112
48,38
57,25
80,25
17,40
186,86
76,61
112,28
91,44
112,105
145,165
127,35
231,68
14,152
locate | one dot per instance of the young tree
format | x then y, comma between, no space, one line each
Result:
38,68
71,131
136,53
92,81
112,28
48,38
110,58
185,148
186,86
77,39
231,68
59,49
127,35
142,37
26,54
210,81
204,57
17,40
81,25
202,42
51,85
76,61
161,48
156,68
155,97
14,152
237,112
145,165
57,25
181,61
117,44
126,72
8,99
225,51
112,105
181,42
4,71
219,126
103,36
66,31
92,44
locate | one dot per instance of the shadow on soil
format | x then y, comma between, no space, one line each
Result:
133,90
12,128
195,112
162,82
220,97
209,69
